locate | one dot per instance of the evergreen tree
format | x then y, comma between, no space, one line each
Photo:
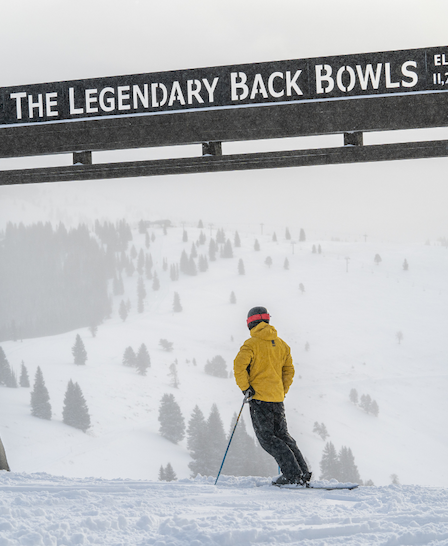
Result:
287,234
194,252
79,351
129,357
185,236
155,282
268,261
321,430
143,361
148,266
237,240
216,367
173,375
354,396
374,408
348,471
212,248
172,424
274,237
405,265
200,224
241,270
75,412
329,465
286,264
232,297
166,345
5,369
302,236
197,444
141,295
123,311
40,399
192,270
184,263
365,402
167,474
241,455
216,439
177,307
228,252
24,378
377,259
256,245
220,237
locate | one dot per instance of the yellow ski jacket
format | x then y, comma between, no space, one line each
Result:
264,362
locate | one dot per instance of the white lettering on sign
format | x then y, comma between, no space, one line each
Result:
106,99
241,89
71,99
193,90
123,95
39,104
210,88
138,95
440,60
347,78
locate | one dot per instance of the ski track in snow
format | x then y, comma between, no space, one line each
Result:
40,509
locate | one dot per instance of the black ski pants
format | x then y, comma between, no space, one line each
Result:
269,421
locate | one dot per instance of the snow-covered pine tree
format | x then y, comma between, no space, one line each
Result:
129,357
302,236
170,475
161,473
240,460
79,352
197,444
232,297
256,245
237,240
216,367
241,270
172,423
177,307
216,440
143,361
228,251
329,465
174,377
75,412
348,471
40,399
5,370
24,378
155,282
286,264
354,396
365,402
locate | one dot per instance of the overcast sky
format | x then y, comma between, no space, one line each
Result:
49,40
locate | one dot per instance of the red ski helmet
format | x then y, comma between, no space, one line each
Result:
257,315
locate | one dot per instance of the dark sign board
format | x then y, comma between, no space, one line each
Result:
261,84
362,92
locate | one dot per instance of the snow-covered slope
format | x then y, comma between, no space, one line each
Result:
349,313
41,509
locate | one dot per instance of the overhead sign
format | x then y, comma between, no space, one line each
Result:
406,72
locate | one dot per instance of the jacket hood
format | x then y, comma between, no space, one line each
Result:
264,331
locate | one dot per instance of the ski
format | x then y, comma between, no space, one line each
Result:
316,486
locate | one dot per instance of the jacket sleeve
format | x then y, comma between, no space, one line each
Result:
288,370
240,364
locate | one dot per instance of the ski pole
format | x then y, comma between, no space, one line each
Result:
233,432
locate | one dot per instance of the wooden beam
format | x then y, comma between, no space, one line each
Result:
205,164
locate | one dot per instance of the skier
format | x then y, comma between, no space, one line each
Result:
264,372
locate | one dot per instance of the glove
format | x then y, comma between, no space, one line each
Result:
249,393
